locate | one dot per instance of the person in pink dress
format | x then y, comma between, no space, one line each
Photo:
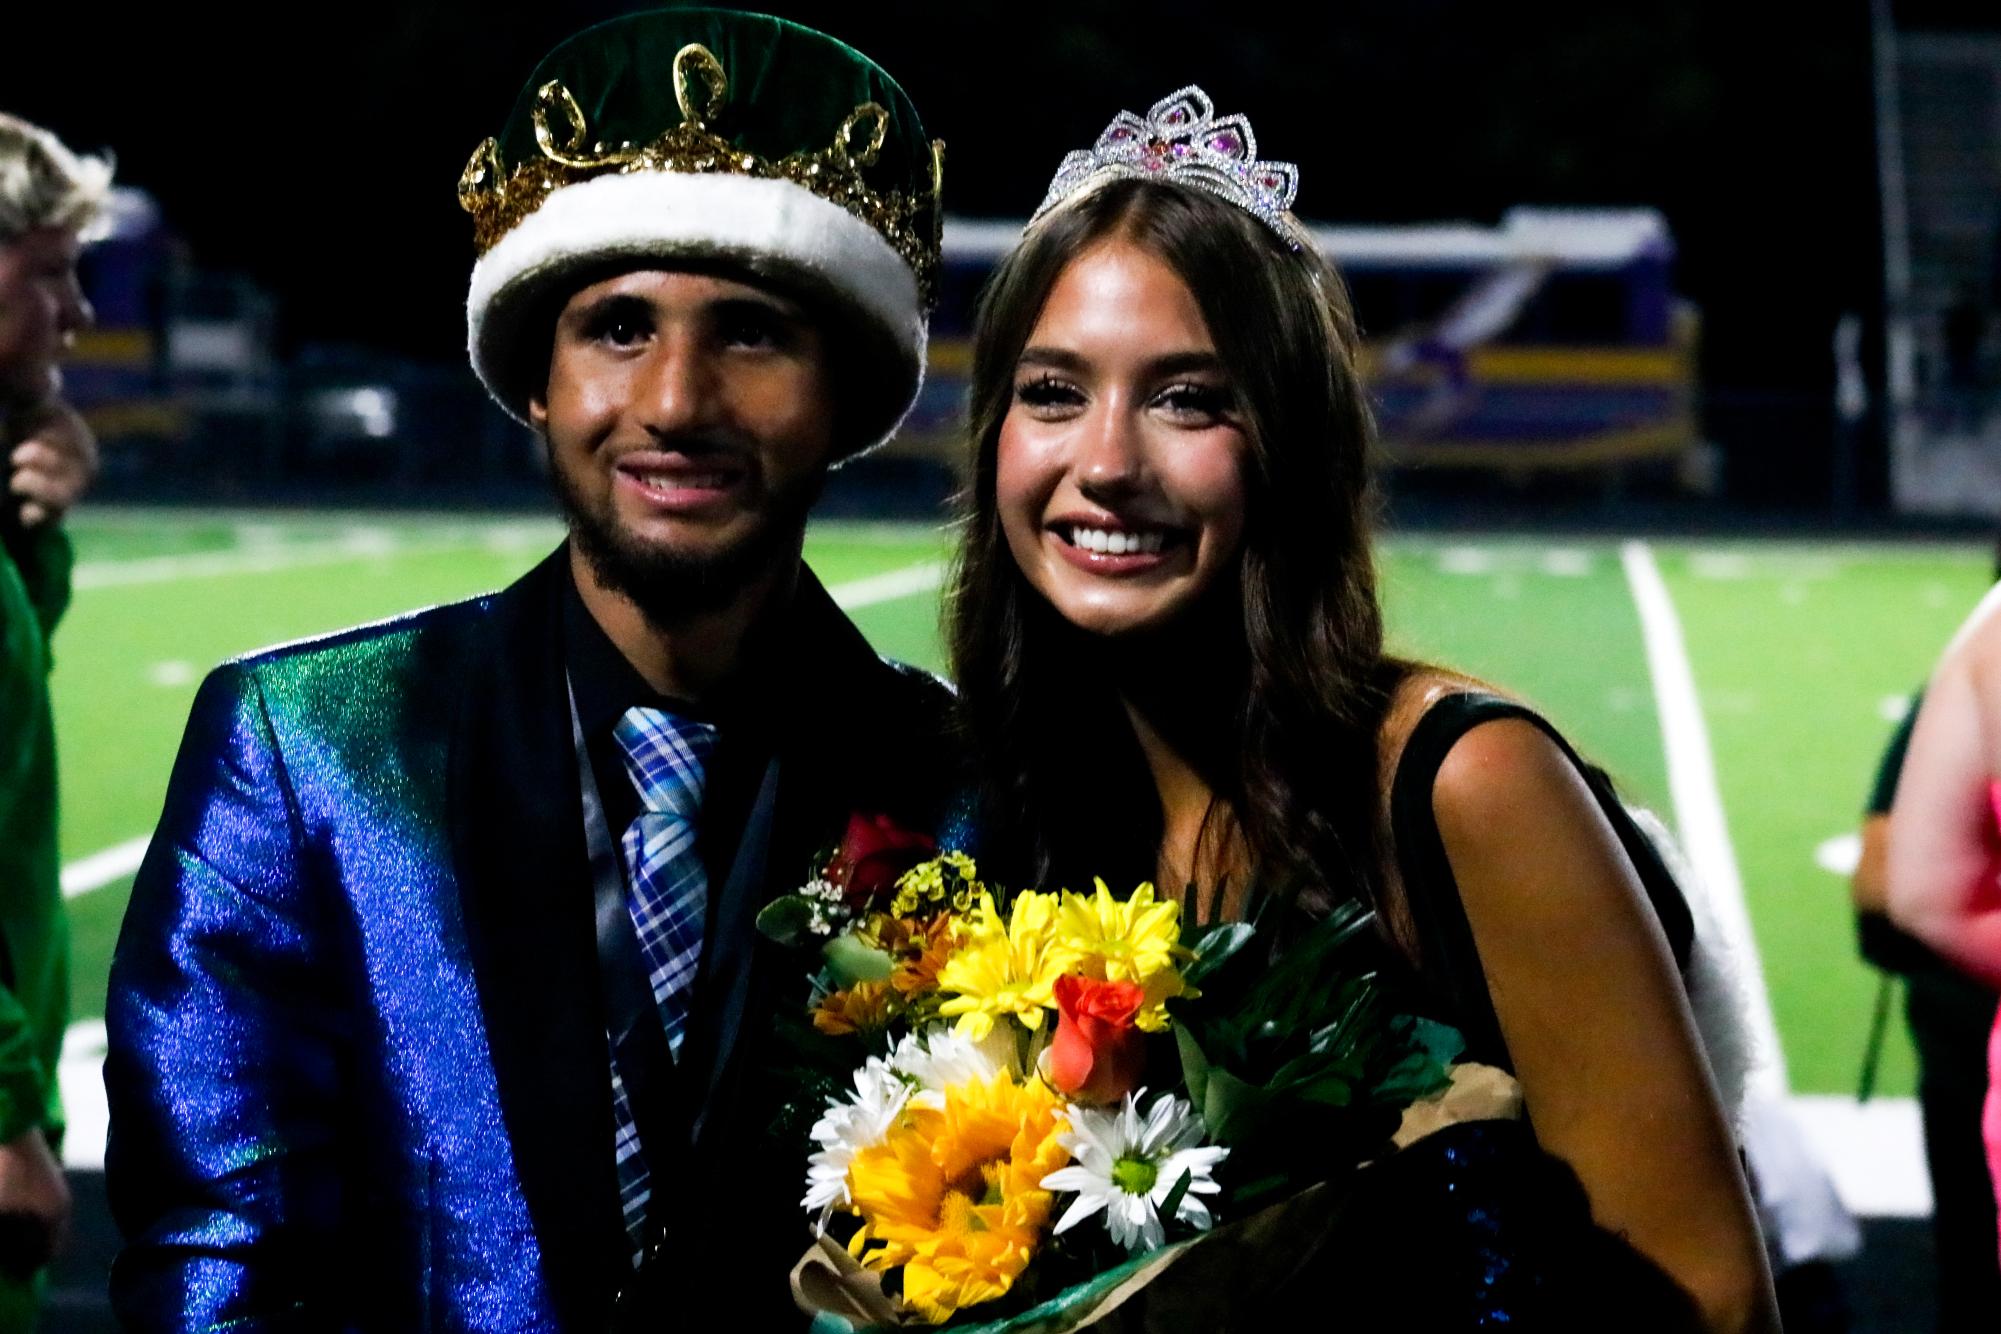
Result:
1945,828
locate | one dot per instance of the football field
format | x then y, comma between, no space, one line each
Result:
1743,689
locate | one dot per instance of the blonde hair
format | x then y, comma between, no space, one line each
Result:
44,184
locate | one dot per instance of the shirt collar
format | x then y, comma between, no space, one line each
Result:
605,684
602,682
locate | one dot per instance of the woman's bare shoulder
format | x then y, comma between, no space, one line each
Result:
1975,648
1414,696
1495,772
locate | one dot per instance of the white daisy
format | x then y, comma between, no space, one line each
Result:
1128,1165
849,1126
941,1059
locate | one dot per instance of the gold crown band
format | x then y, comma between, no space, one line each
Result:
911,222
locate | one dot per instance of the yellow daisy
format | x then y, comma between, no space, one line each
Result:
1001,970
1137,939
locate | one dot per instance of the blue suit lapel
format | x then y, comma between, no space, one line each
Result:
518,844
801,807
731,976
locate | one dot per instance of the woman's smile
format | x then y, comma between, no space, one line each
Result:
1120,462
1119,547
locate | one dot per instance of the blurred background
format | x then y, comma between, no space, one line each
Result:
1674,247
1683,322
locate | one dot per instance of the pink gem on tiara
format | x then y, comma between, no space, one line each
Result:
1182,140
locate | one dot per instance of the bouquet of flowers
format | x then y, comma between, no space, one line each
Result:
1031,1104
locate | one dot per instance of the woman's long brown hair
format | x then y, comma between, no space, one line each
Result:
1291,654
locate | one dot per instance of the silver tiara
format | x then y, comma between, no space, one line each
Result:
1181,140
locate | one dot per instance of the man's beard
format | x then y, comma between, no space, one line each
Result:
669,587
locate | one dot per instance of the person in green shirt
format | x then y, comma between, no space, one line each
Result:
50,202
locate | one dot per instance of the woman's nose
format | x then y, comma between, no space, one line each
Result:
1112,450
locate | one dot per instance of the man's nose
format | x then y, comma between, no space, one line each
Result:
679,391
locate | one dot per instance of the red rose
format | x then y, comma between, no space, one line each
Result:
873,854
1097,1055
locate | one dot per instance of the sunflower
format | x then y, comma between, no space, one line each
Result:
1126,940
865,1007
953,1194
920,947
849,1125
1000,970
921,955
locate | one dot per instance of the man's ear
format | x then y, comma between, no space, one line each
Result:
538,412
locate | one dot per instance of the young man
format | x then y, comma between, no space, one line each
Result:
49,202
439,1002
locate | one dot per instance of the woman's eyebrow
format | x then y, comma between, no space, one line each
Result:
1168,363
1051,358
1177,363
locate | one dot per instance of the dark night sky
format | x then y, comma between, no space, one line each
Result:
318,147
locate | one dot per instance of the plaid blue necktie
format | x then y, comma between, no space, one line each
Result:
669,896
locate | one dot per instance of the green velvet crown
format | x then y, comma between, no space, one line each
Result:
716,91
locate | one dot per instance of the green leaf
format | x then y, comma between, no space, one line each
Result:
787,920
1234,1109
1427,1050
1194,1066
852,960
1332,1091
1444,1042
1172,1203
1304,1050
1215,946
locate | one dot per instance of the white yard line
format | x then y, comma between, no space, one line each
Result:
81,1075
1698,805
103,868
888,586
1875,1151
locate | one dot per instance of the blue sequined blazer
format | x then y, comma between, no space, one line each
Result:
358,1073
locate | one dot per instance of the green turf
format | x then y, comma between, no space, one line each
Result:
1793,649
1795,653
1561,633
140,635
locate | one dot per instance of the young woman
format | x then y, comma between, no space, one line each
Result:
1170,652
1944,845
